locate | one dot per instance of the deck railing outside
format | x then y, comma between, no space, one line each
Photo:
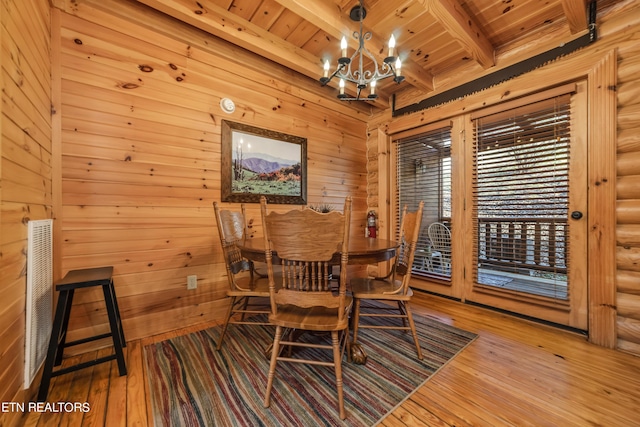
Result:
527,254
523,243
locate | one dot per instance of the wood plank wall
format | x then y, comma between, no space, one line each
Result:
619,30
25,168
140,138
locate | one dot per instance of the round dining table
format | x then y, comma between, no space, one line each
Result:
362,250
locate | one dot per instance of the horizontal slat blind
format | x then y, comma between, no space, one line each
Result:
424,174
521,190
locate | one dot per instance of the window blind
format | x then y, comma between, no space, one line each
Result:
424,174
521,191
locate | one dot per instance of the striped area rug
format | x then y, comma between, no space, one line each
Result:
192,384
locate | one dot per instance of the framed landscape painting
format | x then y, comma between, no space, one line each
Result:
258,162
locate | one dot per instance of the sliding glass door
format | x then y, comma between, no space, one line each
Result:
529,210
505,205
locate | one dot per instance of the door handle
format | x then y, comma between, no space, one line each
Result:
576,215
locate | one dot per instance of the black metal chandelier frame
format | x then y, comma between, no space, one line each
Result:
346,71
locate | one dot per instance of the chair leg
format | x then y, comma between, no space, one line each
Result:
413,329
275,350
345,344
226,322
245,304
337,361
292,336
403,313
356,319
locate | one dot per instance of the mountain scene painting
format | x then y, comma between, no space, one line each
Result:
265,166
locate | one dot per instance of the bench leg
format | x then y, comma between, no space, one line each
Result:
68,301
56,347
116,326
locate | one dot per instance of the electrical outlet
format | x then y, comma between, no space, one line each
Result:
192,281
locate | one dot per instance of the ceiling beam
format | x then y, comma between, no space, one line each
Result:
460,25
328,17
576,13
215,20
207,16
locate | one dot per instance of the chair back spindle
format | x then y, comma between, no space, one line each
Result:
408,239
306,243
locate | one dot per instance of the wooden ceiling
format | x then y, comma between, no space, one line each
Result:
436,39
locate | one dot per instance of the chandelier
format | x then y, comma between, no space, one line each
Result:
351,68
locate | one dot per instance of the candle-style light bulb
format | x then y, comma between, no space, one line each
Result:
372,87
392,44
326,68
398,67
343,46
341,86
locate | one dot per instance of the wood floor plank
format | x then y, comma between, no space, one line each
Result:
98,393
410,413
66,387
79,392
538,373
136,401
392,421
456,408
147,390
116,415
496,403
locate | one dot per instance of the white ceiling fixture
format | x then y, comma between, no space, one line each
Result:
227,105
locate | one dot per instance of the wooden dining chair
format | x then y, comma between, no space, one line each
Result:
249,292
392,288
305,242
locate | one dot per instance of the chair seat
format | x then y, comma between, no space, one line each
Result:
368,288
313,319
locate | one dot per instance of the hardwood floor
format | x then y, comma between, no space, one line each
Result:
517,373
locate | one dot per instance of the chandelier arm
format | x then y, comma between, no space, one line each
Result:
326,80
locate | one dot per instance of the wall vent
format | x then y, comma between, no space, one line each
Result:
39,300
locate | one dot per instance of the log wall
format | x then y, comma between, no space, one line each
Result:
628,186
25,168
615,282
